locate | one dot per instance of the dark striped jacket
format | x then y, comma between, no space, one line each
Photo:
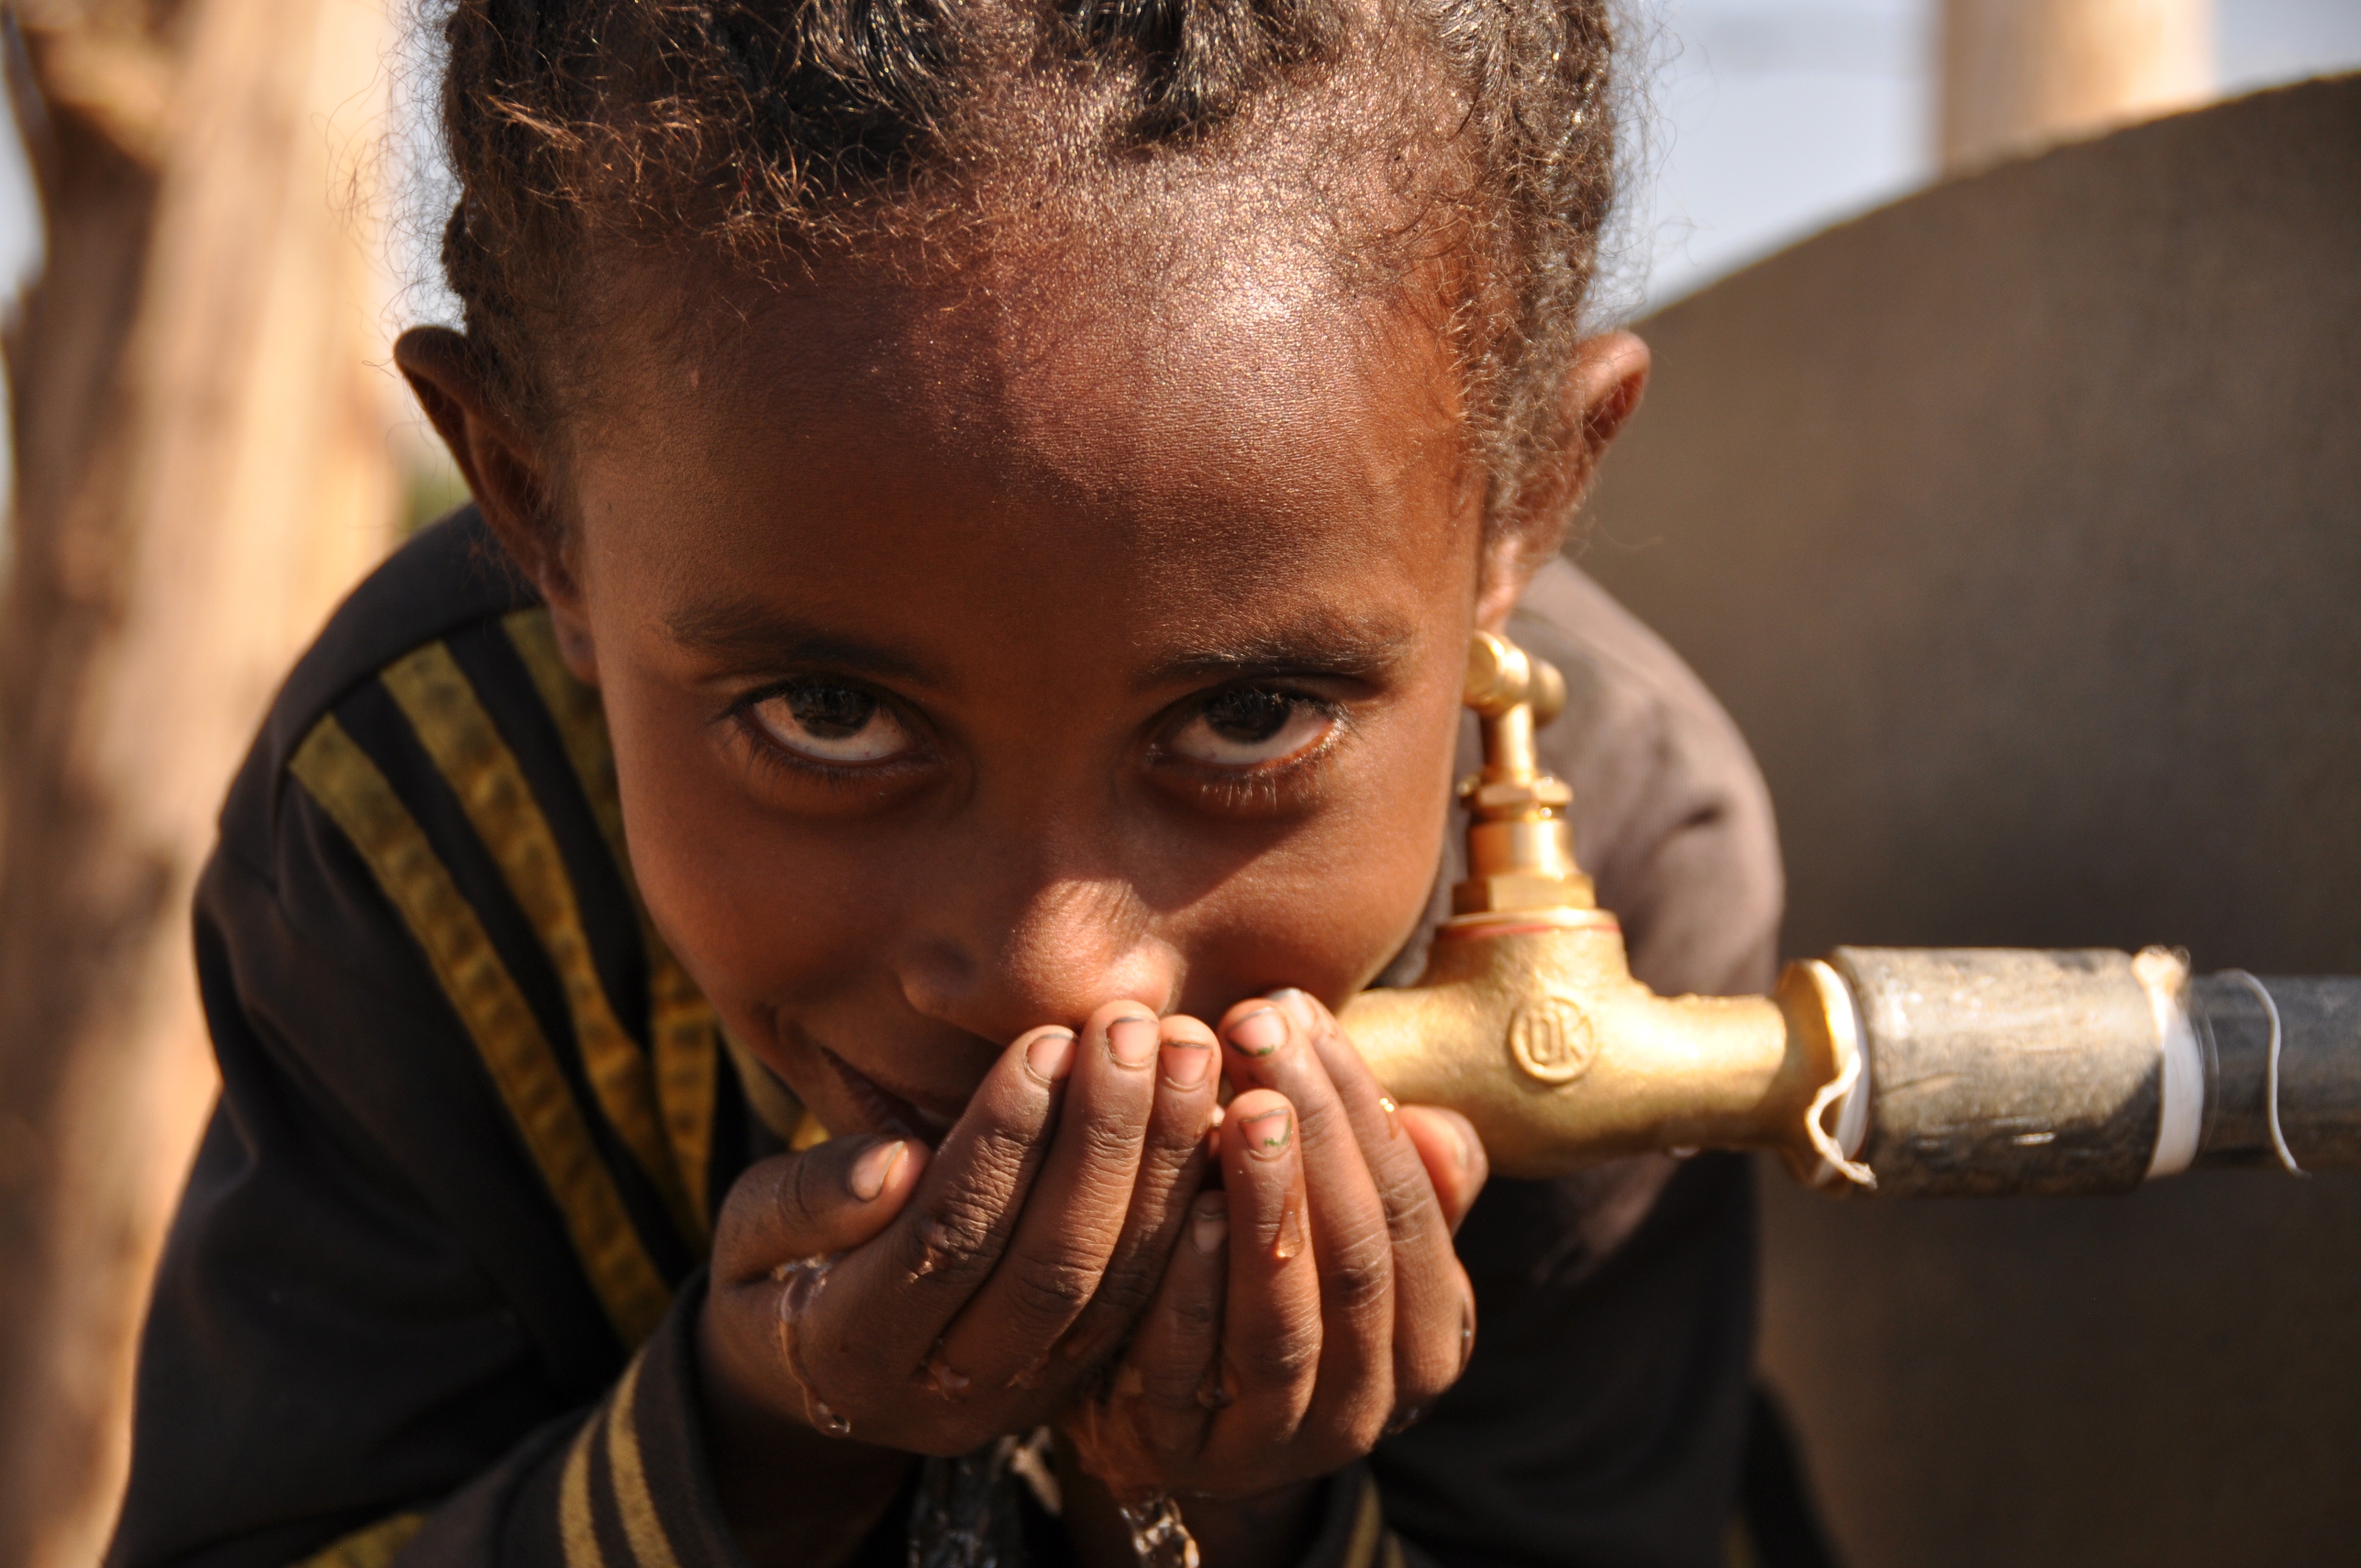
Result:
432,1288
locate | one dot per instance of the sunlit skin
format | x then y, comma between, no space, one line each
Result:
1034,704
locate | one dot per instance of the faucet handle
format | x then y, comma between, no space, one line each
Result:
1519,845
1502,675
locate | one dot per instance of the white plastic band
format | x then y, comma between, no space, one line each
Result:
1849,1092
2180,1110
2270,1072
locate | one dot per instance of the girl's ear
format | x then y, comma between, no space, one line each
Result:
1603,387
506,474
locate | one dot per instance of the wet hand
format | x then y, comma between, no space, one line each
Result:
928,1303
1316,1302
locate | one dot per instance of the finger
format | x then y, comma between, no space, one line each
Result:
1423,1198
1175,1355
957,1222
1071,1220
828,1199
1351,1236
1272,1327
1172,1168
823,1202
1453,1156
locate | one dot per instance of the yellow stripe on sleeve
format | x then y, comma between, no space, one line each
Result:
451,724
371,1546
1369,1532
340,777
651,1546
682,1026
577,1531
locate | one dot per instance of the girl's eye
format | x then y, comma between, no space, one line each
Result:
1250,725
833,724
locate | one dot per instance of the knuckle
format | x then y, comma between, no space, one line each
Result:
1319,1117
1281,1358
1198,1316
1409,1199
1110,1139
1125,1290
1000,1156
1052,1289
953,1245
1358,1281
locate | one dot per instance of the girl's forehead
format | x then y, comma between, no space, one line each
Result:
1247,388
871,457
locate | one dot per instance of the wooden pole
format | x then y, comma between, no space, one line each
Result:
202,469
2021,74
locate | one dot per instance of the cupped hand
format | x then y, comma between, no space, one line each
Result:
1317,1301
928,1303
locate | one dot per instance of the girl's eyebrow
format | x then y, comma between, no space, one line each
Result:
1323,645
754,637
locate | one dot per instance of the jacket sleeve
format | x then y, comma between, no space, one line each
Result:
368,1332
624,1485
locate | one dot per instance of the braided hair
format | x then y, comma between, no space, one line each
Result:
758,130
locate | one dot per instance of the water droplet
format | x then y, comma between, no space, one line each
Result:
1290,1239
804,1280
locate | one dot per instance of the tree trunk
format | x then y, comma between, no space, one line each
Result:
201,468
2021,75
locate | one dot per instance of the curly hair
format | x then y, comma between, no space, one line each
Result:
765,129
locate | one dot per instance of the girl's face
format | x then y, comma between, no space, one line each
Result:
973,662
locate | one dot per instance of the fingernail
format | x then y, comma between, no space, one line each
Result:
1260,1032
1459,1139
875,1169
1297,1003
1209,1223
1051,1056
1186,1061
1394,1121
1267,1135
1132,1040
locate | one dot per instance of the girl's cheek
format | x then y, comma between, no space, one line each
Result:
1330,908
757,906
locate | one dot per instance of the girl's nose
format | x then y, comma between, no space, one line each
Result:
1061,954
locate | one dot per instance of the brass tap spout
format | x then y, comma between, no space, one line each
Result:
1528,1020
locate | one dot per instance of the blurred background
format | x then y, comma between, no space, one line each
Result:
215,214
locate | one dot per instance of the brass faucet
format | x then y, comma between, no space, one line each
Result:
1528,1020
1910,1069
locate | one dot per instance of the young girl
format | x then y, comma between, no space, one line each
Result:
727,956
